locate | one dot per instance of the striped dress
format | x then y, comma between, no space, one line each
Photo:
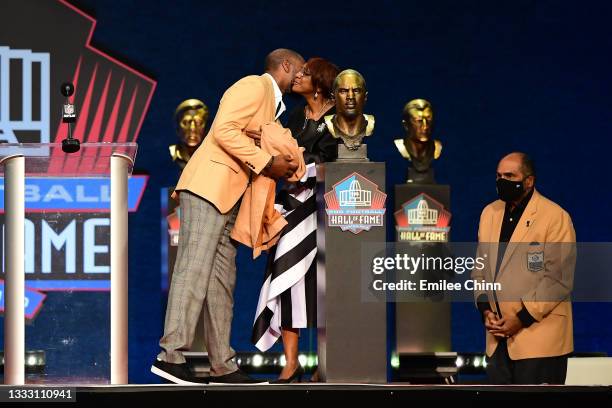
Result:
289,292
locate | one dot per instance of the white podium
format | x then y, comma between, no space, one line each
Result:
114,160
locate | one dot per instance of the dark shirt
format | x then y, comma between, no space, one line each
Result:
511,219
320,146
512,215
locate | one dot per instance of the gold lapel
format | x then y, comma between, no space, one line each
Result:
493,239
521,230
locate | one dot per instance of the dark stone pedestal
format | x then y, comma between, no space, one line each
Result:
422,325
352,333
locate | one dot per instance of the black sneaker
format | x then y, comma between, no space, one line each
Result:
176,373
237,377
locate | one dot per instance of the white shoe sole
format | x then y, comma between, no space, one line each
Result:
172,378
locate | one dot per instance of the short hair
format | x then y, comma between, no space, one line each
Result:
189,104
418,104
527,164
346,72
322,73
276,57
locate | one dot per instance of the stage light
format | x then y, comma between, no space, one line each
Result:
303,359
283,361
395,361
34,361
257,360
476,362
484,362
459,362
312,361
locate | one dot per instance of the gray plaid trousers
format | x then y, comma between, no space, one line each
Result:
204,277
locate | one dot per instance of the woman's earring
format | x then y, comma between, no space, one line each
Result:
316,95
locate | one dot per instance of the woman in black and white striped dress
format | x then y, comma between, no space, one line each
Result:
287,301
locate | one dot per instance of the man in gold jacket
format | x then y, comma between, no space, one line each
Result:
528,242
210,189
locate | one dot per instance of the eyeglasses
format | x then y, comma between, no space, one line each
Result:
305,71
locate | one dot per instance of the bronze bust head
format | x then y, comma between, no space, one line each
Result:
350,123
190,118
417,145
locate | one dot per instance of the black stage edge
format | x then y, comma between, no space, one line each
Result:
349,395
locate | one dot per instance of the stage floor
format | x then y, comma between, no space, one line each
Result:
317,393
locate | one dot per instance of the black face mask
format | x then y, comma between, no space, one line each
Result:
508,190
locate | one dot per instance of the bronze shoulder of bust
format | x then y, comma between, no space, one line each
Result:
330,125
370,126
401,147
438,149
366,130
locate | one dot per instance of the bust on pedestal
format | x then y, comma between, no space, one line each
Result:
351,212
422,326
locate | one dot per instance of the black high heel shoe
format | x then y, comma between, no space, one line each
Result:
295,377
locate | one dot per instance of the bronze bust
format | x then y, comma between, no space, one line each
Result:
190,118
417,145
350,123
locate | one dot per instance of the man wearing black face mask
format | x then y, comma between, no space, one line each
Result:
529,322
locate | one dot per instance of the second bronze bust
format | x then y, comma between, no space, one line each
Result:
190,118
417,146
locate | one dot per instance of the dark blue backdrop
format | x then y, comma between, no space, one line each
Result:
523,75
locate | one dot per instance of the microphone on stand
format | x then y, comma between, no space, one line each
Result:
69,145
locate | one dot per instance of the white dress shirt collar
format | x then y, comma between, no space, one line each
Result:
278,97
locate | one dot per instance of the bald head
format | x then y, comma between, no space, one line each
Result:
284,64
275,59
518,163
